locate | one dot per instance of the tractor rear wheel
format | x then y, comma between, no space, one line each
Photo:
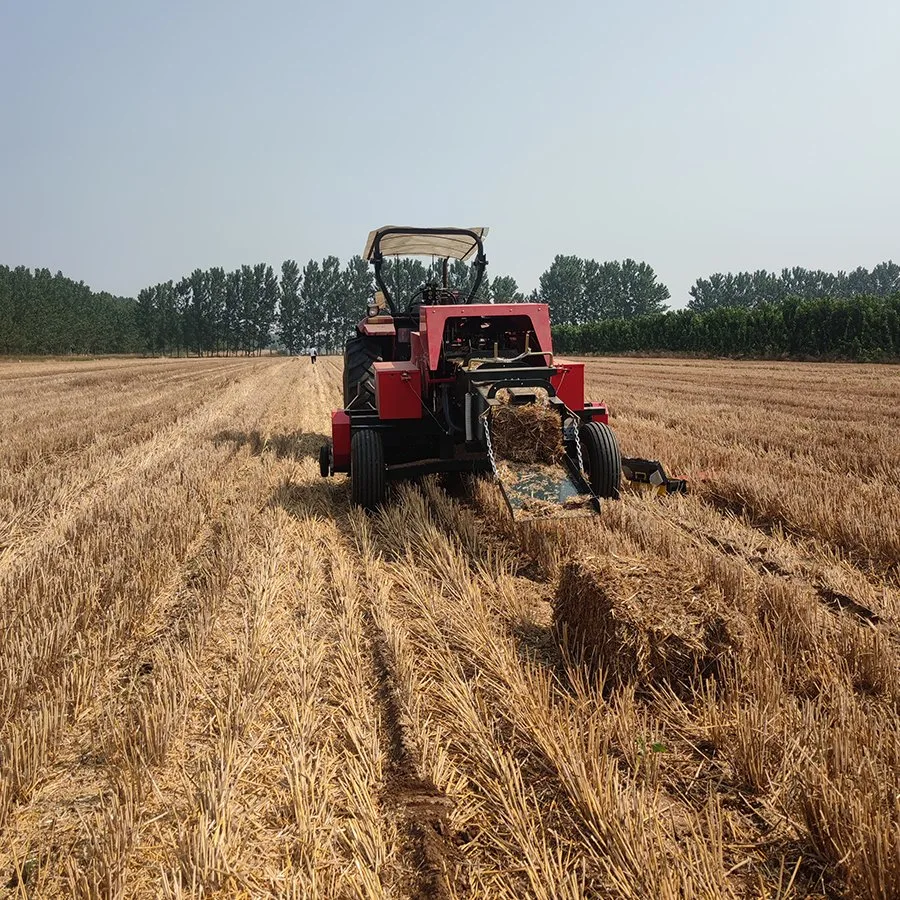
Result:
367,474
360,354
602,460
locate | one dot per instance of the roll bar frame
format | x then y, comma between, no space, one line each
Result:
480,261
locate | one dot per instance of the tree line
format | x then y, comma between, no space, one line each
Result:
209,311
249,309
865,329
45,313
584,290
750,289
612,306
214,311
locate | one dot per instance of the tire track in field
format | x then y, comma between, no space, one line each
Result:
521,743
416,806
311,759
421,806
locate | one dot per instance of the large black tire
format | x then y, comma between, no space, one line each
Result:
326,463
602,460
359,375
367,474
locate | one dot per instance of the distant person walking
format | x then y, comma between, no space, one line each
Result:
313,353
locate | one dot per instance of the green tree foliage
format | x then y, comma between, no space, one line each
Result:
249,293
332,301
45,313
266,306
334,304
312,298
866,329
197,318
216,285
403,276
750,289
231,318
209,312
505,290
461,277
583,290
359,287
608,307
562,286
290,331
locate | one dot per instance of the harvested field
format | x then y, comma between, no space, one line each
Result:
219,680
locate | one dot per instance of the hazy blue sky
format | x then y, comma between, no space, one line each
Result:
141,140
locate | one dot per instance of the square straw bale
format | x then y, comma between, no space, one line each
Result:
527,433
641,623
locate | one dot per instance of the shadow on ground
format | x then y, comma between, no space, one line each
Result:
325,497
295,445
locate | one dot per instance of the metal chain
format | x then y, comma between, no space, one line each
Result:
490,448
578,446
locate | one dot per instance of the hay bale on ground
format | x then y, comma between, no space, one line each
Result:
641,623
530,433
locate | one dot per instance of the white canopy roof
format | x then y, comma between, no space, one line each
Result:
455,246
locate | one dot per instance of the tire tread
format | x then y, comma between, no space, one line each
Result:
359,375
604,459
367,472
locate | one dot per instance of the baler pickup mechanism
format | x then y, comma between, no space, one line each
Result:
648,474
556,491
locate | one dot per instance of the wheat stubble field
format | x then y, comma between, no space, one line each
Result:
218,680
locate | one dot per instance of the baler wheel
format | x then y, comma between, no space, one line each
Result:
367,473
326,460
359,376
602,460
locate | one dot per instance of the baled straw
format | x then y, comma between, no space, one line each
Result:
527,433
640,622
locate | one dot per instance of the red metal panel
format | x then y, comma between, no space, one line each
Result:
340,440
569,383
398,390
432,320
418,357
415,347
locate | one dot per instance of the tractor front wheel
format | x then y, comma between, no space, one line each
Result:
367,474
602,460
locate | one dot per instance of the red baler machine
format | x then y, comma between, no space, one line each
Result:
421,378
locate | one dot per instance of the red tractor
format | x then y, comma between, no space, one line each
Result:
422,376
